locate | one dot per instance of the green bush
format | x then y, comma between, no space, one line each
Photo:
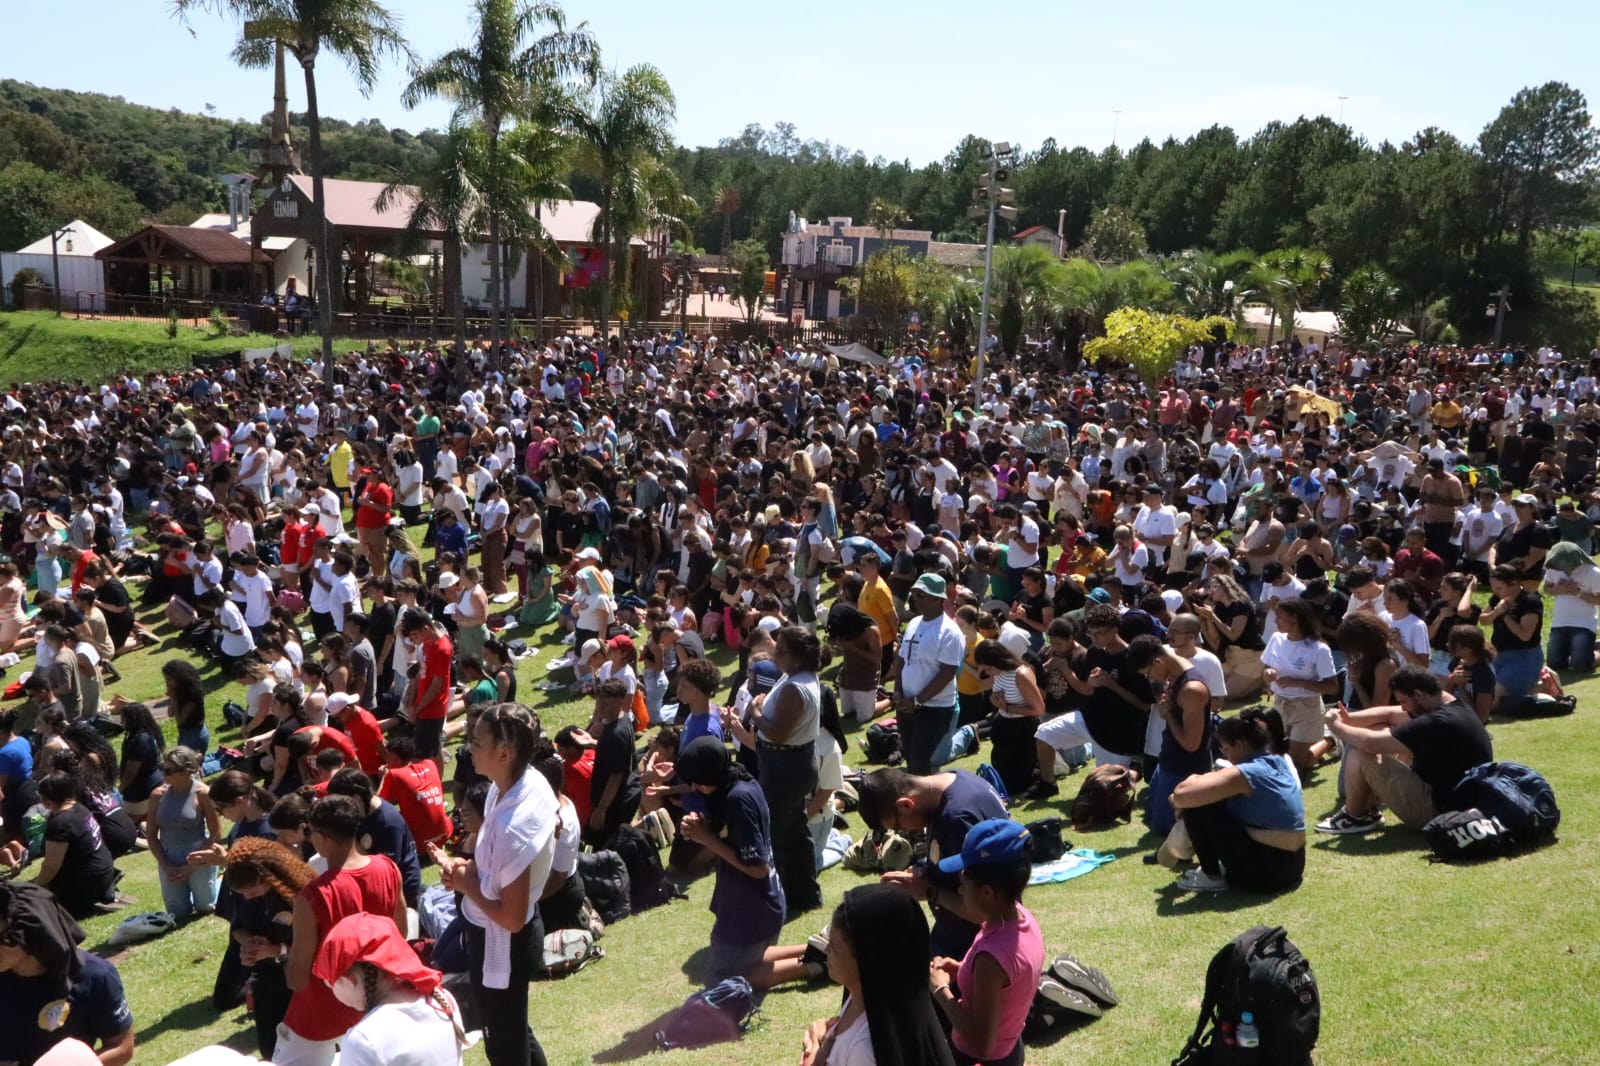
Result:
21,281
172,325
218,321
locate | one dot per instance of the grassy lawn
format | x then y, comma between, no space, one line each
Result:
1418,964
37,346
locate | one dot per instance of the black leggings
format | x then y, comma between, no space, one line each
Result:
508,1039
1013,753
1221,843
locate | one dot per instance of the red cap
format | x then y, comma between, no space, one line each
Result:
372,939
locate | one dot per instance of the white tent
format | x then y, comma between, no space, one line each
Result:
1308,325
83,278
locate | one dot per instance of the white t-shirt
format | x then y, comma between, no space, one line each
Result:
1210,669
1155,522
926,646
1024,550
403,1034
1297,660
256,598
852,1045
236,638
1569,610
1413,632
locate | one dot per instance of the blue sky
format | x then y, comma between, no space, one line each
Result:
901,79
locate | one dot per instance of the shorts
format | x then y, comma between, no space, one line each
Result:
1067,731
737,960
1302,717
1398,788
137,809
428,733
858,704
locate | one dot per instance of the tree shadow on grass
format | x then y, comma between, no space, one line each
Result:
195,1016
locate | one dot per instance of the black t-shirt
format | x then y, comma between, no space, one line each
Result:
1517,542
1440,641
380,625
87,872
1444,745
1250,635
115,593
141,750
1113,722
35,1016
614,755
1527,602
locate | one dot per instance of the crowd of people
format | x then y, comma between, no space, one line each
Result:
1060,566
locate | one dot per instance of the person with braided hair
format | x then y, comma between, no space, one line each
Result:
265,877
407,1018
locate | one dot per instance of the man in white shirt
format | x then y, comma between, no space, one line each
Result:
1155,524
1481,526
252,590
930,654
1021,539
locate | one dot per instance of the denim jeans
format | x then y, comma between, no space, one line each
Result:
954,745
1158,800
921,732
1570,648
196,740
788,777
197,892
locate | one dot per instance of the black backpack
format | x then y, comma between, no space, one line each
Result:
605,882
1463,836
1519,798
1261,973
647,881
881,744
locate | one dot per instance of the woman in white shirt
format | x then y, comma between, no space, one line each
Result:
408,1019
1402,609
561,904
501,884
408,486
878,950
494,514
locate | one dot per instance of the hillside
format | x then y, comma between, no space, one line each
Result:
37,346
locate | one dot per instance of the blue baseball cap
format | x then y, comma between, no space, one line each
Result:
994,841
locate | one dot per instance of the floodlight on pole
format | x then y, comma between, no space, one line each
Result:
990,189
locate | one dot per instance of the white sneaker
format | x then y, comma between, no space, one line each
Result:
570,638
1197,880
1342,823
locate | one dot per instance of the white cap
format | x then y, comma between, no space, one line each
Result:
590,649
338,702
448,580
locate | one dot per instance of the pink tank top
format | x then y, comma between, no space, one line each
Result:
1019,949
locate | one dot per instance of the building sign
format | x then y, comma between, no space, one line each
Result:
286,209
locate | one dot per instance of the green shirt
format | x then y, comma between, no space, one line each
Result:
428,426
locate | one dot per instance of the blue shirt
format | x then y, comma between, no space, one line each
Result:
384,832
748,910
451,539
16,760
1275,800
35,1017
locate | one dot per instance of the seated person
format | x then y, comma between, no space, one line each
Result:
358,724
77,865
986,994
1245,823
50,990
947,805
412,784
1407,758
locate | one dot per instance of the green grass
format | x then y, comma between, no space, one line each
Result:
37,346
1419,964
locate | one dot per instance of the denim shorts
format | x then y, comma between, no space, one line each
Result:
1517,670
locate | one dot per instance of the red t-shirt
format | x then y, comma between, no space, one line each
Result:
313,1012
370,517
436,656
579,773
332,739
416,790
367,737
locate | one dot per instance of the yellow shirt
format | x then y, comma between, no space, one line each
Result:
967,681
339,460
877,602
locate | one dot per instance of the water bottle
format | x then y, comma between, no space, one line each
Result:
1247,1034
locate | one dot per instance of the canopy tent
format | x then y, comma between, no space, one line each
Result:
1305,401
1308,325
856,352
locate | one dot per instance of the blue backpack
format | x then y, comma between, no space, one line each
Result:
992,778
1519,797
712,1016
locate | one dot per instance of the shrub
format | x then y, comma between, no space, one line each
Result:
218,321
21,281
172,325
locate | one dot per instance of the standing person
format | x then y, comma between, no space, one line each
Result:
786,725
856,636
931,652
502,882
182,821
495,515
407,1018
186,704
878,952
355,882
373,509
986,995
748,900
1184,709
429,696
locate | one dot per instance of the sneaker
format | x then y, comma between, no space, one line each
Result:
816,952
1197,880
1066,1003
1342,823
569,638
1041,790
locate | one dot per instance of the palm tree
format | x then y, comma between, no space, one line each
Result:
446,198
361,32
1205,283
1289,279
726,202
498,77
1021,279
621,126
886,216
1083,292
650,199
537,157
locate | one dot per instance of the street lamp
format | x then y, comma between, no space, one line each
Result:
55,261
1000,201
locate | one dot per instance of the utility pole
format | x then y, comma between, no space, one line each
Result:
1502,304
1000,201
55,262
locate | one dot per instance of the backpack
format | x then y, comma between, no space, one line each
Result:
712,1016
1463,836
647,882
992,778
1537,705
1260,973
878,853
881,742
567,951
1519,798
1045,842
1105,797
605,882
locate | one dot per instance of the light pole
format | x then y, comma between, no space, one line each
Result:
1116,121
1000,199
55,261
1342,99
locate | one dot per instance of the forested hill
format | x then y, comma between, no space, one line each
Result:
114,164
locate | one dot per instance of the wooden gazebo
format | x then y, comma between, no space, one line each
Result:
183,262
